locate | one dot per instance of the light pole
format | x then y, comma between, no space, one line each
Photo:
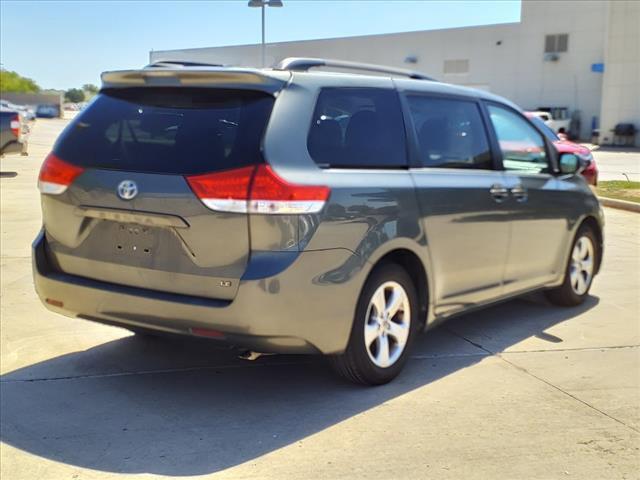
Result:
261,4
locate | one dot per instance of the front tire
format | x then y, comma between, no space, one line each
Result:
383,330
579,271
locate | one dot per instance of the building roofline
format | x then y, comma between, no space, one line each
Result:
328,39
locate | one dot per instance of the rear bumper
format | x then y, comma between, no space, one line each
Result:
306,308
14,146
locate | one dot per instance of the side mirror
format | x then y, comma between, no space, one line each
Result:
571,163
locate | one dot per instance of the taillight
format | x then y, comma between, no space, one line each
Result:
256,190
15,125
56,175
272,194
223,191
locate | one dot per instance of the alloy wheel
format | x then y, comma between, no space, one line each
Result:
387,325
582,264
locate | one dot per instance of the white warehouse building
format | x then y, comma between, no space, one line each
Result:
582,56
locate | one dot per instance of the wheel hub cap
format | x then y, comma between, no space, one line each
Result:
386,329
582,265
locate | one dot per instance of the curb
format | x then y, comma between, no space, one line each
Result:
620,204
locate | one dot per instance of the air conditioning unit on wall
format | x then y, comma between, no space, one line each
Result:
551,57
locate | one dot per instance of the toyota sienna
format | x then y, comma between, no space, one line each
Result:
291,210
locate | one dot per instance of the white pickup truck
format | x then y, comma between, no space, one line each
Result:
556,118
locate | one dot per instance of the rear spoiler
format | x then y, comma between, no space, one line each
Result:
238,78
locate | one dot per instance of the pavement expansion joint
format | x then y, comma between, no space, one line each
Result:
556,387
148,372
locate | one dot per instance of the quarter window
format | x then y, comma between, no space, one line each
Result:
450,133
523,147
357,128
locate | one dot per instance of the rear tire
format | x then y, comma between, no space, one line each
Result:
383,330
579,272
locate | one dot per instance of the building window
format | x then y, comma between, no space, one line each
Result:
556,43
456,66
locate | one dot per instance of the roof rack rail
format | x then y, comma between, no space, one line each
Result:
299,64
180,63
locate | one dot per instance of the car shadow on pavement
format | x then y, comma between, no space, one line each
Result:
178,407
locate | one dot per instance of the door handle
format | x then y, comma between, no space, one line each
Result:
499,192
519,193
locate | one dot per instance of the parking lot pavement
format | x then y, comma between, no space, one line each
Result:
615,163
519,390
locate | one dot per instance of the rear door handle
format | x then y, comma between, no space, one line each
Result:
499,192
519,193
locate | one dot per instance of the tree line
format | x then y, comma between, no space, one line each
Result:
14,82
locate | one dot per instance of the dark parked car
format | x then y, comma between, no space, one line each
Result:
11,132
291,211
47,111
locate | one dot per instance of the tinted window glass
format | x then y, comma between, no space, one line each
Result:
357,128
522,146
450,133
168,130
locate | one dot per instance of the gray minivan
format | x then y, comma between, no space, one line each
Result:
294,211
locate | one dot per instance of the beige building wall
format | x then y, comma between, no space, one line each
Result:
621,89
506,59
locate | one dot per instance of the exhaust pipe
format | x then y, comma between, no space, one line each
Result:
252,356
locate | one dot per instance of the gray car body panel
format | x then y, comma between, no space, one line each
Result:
296,279
165,258
285,310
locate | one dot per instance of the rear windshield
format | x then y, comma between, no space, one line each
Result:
179,131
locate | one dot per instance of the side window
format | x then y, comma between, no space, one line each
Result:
450,133
357,128
522,146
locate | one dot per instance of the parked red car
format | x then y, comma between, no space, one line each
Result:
565,146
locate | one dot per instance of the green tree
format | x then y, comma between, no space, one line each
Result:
13,82
90,88
74,95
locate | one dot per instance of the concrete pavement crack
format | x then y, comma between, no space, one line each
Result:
587,404
193,369
477,345
145,372
578,349
546,382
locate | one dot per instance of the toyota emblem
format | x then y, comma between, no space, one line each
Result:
127,189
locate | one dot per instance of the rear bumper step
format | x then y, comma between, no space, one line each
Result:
307,308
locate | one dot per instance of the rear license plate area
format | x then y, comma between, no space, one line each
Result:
134,240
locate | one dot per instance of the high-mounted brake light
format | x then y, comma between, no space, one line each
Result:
56,175
256,190
15,125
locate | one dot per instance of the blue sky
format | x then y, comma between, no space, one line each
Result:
66,44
